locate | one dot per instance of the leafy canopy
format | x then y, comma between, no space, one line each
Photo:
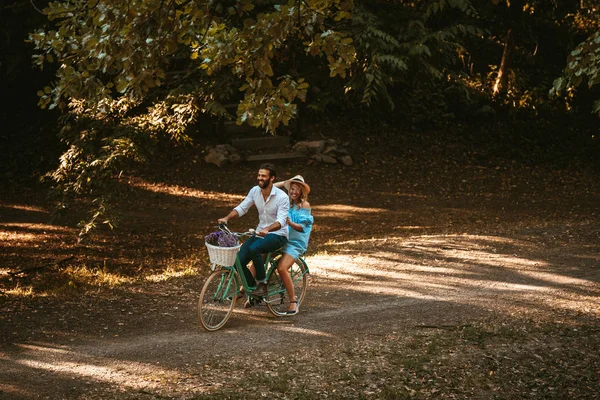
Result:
583,67
132,73
116,56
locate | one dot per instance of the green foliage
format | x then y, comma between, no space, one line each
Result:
116,54
583,66
379,59
133,73
583,62
402,45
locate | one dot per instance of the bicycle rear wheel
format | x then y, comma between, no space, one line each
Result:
217,299
278,299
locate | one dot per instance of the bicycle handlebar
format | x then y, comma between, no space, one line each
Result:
223,227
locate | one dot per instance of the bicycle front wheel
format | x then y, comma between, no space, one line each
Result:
217,299
278,298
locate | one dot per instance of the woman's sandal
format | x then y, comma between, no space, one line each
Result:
295,311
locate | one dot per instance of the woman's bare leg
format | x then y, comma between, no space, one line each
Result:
283,267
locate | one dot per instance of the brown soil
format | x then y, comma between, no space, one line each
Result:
409,251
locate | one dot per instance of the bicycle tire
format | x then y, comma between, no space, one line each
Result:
217,299
277,301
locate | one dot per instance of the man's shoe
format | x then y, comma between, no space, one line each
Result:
261,290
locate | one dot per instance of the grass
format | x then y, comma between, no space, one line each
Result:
75,280
20,291
483,361
172,272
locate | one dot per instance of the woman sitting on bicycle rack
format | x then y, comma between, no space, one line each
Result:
300,222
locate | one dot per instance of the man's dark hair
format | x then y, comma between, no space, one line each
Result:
271,169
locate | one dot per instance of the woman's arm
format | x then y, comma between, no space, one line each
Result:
295,226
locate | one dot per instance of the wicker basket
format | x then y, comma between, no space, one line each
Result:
222,255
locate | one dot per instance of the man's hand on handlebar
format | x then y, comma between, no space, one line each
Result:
223,225
263,232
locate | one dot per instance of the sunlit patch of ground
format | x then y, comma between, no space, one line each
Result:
19,291
28,232
37,227
23,207
379,278
183,191
344,211
171,273
486,271
20,237
47,358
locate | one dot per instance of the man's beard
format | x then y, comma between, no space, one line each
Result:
263,184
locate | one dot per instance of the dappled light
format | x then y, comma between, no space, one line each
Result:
182,191
467,269
23,207
119,313
24,237
27,232
19,291
33,227
170,273
125,375
302,331
450,149
344,211
401,276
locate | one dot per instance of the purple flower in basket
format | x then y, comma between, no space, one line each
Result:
227,240
221,239
213,238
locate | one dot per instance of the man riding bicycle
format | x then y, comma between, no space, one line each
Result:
272,204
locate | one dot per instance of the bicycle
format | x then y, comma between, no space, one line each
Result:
223,287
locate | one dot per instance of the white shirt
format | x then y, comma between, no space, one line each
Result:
274,209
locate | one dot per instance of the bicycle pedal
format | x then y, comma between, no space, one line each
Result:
252,301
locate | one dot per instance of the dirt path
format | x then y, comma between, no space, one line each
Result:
394,258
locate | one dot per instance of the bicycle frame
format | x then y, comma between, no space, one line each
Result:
239,272
224,286
239,268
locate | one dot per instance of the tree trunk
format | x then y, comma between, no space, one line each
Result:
502,79
514,16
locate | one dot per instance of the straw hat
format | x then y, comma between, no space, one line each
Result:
299,180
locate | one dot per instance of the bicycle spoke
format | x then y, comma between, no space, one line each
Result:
217,299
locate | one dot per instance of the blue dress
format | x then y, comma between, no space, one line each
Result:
298,241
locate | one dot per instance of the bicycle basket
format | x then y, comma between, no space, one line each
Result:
222,255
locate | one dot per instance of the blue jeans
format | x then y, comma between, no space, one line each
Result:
253,249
